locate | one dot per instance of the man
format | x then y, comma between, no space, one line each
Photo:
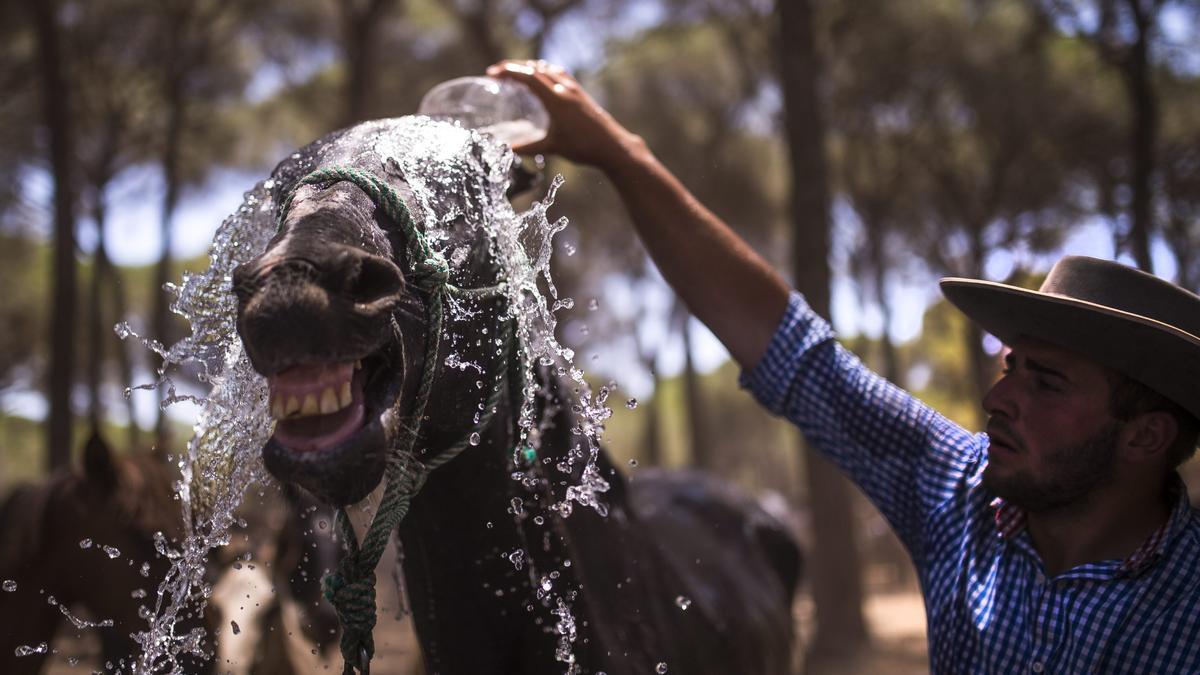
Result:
1061,540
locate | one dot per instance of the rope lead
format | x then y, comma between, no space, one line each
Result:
351,587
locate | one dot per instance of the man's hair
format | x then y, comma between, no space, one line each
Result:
1129,398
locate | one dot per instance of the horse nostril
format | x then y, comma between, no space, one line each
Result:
369,278
243,281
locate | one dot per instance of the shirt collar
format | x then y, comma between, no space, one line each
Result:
1010,522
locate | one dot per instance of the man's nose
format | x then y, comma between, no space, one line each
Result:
1000,400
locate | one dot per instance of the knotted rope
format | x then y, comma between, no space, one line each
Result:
351,587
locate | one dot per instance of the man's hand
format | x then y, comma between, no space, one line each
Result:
580,130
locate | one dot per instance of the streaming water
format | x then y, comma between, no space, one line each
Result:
459,179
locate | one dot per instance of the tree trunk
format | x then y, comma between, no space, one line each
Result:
100,174
95,315
162,325
1143,137
124,347
56,109
360,37
982,366
837,586
700,441
106,275
652,451
891,363
478,26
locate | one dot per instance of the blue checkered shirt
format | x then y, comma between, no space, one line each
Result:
990,606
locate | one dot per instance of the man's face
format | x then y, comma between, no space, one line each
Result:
1053,439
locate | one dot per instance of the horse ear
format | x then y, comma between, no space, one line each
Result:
98,465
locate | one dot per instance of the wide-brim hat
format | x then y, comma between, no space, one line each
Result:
1122,318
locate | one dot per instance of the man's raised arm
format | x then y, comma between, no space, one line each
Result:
724,283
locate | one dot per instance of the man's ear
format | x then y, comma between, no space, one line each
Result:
1148,436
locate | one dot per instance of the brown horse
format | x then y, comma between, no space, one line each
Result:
82,544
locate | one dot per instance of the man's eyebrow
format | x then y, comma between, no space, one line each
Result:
1044,369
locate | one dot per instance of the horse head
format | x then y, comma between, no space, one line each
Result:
335,312
87,539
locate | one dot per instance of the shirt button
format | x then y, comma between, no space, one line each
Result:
1037,667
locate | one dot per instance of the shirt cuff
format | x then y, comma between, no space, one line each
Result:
800,330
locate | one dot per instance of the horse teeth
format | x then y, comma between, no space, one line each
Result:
329,401
346,398
293,406
310,407
277,409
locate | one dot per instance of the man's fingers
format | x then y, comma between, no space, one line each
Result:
534,74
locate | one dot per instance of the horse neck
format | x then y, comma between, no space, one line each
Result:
464,528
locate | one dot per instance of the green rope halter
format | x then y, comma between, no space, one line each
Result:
351,588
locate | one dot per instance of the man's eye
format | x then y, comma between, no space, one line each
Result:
1045,383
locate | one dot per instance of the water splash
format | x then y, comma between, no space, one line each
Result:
222,457
458,179
76,621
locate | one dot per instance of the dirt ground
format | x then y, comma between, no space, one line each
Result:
896,619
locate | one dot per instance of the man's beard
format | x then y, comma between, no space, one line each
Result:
1069,477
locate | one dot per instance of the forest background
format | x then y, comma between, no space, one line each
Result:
866,147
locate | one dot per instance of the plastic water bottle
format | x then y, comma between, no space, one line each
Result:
506,110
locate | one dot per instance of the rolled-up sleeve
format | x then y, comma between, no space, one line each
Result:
907,458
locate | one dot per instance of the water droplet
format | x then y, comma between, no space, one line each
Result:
490,525
25,650
236,628
85,543
72,661
593,304
138,593
10,586
631,403
322,524
112,552
682,602
633,462
474,438
660,668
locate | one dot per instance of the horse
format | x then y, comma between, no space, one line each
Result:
86,540
339,312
